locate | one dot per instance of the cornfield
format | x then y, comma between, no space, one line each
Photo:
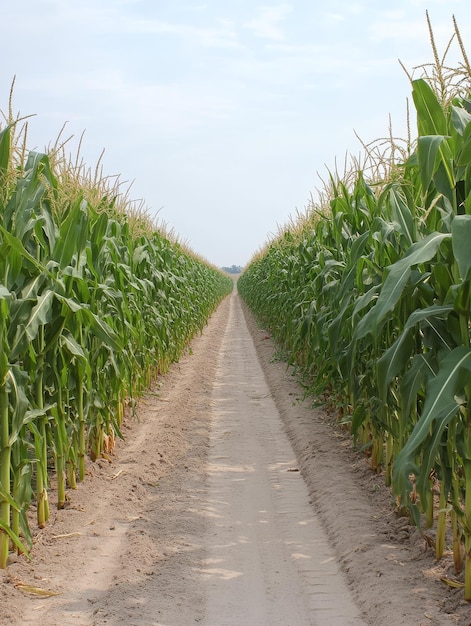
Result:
369,293
94,304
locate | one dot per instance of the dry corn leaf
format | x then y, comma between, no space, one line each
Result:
452,583
37,591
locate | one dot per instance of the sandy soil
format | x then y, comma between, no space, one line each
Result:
162,534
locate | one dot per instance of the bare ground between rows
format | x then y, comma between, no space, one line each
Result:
125,549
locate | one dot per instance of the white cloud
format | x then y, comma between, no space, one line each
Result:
342,11
108,18
268,23
335,17
222,36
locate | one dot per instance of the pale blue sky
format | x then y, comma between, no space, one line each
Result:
222,113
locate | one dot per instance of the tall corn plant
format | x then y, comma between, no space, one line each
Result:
442,433
90,313
377,309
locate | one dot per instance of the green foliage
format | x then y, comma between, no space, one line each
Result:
371,296
90,314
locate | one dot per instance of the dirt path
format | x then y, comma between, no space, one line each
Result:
269,561
202,518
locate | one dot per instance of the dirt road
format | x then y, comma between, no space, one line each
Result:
268,558
231,502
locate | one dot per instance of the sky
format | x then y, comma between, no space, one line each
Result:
222,117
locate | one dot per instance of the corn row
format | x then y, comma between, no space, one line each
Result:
370,296
91,311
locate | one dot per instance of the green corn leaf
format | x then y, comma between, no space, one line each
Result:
5,495
463,156
460,118
5,143
39,316
414,378
461,242
401,215
100,329
396,281
32,288
29,417
16,246
18,381
73,235
440,405
363,301
97,326
396,358
67,341
394,361
431,119
5,294
70,304
428,150
13,536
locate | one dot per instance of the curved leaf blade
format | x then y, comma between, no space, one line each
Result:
440,405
